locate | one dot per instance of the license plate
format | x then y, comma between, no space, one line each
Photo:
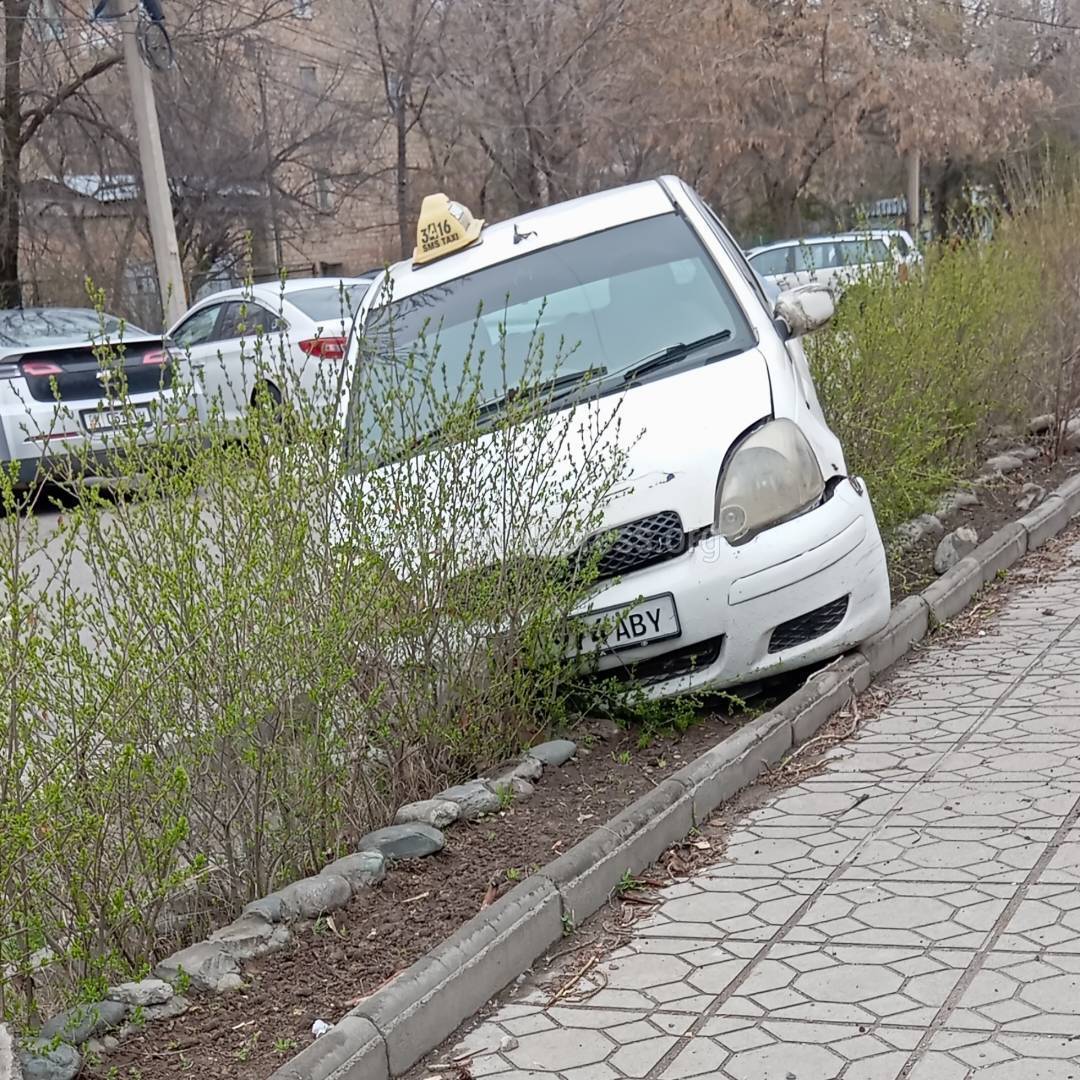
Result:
648,621
97,421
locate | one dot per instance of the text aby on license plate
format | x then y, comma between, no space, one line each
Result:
649,620
110,419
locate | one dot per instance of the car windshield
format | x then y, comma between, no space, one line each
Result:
600,303
28,327
326,302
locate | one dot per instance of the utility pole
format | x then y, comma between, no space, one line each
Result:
155,181
254,52
914,209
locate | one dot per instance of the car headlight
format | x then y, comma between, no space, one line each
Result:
773,475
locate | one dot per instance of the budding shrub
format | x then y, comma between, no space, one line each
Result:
264,636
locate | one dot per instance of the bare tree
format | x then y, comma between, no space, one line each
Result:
38,82
542,89
404,37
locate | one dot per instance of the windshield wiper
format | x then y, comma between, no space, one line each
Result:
555,386
671,354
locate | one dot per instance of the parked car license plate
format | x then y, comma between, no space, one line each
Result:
649,620
100,420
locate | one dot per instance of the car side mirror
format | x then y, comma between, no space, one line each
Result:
803,310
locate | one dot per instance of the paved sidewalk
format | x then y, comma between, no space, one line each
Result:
914,911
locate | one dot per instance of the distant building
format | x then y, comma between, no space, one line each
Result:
82,223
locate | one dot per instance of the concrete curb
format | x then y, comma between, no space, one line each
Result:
589,872
431,998
387,1034
909,623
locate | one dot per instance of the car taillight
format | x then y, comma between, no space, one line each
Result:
324,348
40,367
156,358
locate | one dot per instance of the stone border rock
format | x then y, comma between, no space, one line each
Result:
214,965
95,1027
909,533
395,1027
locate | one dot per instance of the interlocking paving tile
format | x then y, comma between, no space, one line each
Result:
1048,918
1014,992
771,1049
934,726
848,984
730,907
912,911
894,912
947,853
955,1055
977,762
998,803
780,852
1065,864
822,801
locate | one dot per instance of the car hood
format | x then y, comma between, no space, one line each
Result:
683,427
673,434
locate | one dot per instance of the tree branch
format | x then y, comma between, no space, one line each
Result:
36,117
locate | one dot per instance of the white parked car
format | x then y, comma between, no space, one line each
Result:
834,261
288,336
70,379
742,545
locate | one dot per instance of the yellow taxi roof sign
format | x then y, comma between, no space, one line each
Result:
444,226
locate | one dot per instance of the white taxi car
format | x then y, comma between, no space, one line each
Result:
740,545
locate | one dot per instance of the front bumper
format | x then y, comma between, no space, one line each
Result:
736,597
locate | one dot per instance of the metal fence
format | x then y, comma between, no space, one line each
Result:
132,292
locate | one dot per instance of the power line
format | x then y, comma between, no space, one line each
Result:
1007,16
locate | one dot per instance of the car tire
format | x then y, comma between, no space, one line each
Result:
266,394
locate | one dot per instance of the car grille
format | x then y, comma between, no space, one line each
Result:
671,665
638,544
806,627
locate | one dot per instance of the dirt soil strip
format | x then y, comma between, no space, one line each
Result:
331,965
248,1034
913,570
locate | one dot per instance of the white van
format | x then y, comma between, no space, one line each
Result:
742,546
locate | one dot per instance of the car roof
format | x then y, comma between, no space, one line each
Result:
270,291
46,311
505,240
865,234
292,285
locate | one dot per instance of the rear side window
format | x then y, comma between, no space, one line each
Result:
814,256
328,302
860,252
245,318
198,329
771,263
